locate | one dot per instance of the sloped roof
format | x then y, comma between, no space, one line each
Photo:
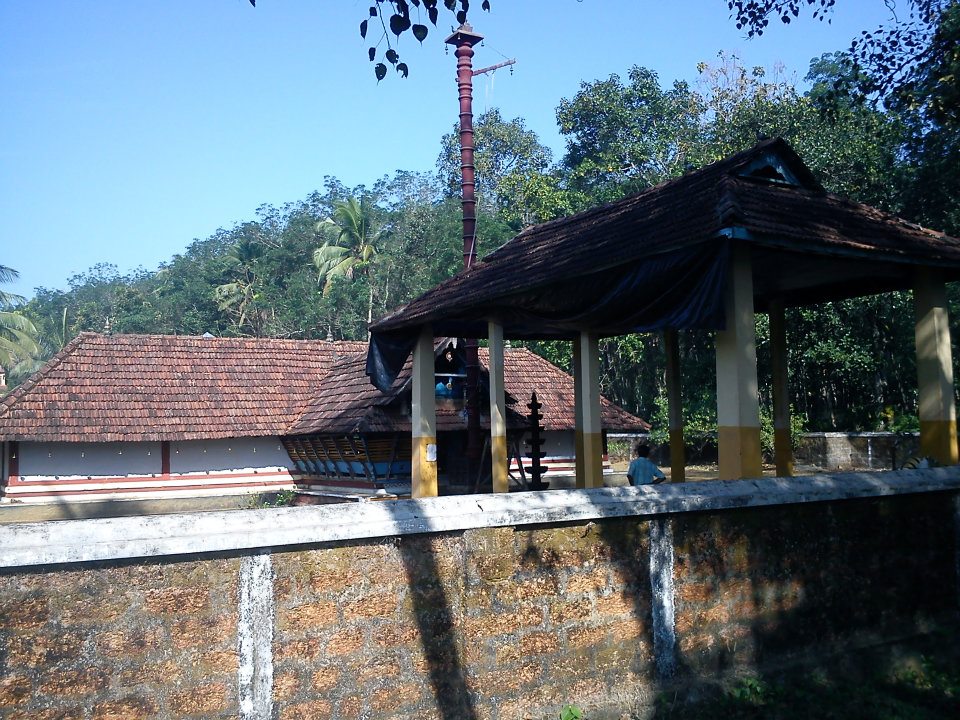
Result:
103,388
346,402
808,246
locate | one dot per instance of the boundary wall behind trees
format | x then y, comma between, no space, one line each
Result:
480,606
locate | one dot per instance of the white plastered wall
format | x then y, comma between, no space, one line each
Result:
65,461
54,472
247,454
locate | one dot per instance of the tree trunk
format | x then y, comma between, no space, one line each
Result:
369,312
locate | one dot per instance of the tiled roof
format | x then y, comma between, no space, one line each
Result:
102,388
525,371
849,247
346,402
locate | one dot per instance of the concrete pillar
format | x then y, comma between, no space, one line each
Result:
738,409
587,377
671,344
423,418
498,411
936,408
782,446
580,472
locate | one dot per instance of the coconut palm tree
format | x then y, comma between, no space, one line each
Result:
19,340
240,296
354,245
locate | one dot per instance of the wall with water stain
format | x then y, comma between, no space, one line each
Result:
486,622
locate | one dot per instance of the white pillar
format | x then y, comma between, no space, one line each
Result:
498,410
579,464
936,407
738,406
423,418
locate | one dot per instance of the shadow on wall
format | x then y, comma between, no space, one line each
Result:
753,591
776,588
529,616
435,616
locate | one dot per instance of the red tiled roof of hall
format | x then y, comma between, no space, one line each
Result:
103,388
134,388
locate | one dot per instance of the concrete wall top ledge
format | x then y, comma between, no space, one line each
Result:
867,434
75,541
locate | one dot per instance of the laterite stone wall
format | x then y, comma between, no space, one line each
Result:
874,450
493,623
755,587
481,623
123,641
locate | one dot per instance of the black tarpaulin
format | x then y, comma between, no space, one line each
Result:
680,290
386,355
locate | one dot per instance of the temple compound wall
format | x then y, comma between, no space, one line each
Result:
487,606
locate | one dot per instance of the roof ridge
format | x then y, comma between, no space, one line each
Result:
31,382
213,337
721,166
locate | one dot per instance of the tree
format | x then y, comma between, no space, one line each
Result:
932,89
507,159
623,138
929,106
853,149
353,247
242,295
19,340
889,59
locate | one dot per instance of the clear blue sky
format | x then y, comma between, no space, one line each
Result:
129,128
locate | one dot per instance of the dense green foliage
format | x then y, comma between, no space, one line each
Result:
273,276
322,266
19,343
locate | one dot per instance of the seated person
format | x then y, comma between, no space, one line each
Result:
642,470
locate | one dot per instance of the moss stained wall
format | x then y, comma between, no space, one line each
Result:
753,587
485,623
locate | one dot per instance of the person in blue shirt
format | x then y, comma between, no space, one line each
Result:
642,470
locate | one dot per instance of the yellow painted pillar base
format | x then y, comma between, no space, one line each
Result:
580,465
678,464
783,452
938,439
739,449
498,454
593,456
424,467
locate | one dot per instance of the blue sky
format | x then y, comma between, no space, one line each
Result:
129,128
